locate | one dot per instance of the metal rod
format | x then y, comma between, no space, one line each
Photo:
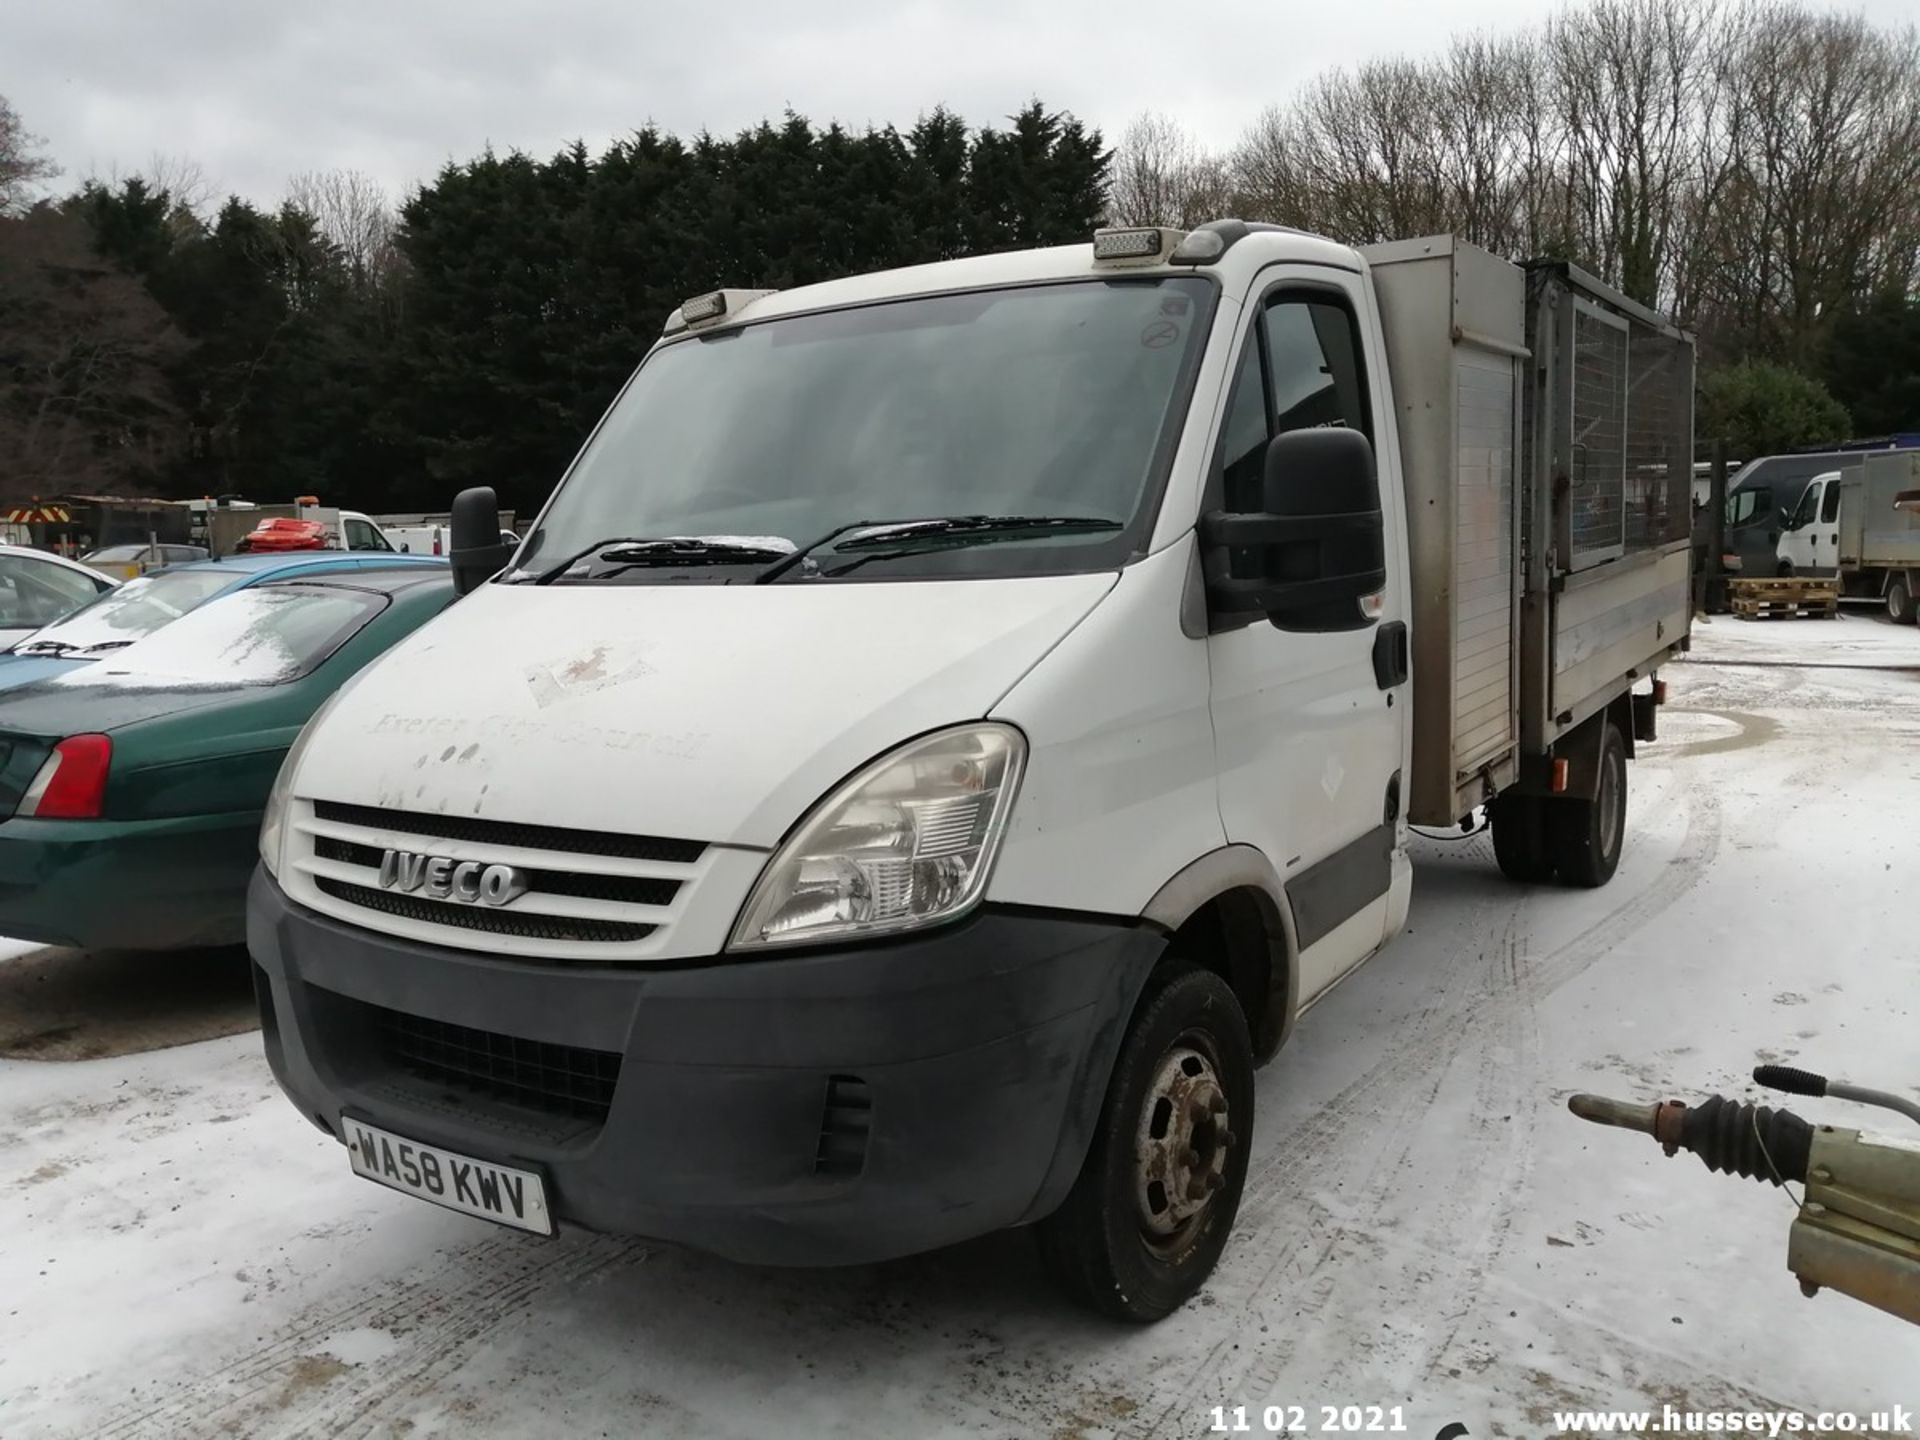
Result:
1483,341
1602,1111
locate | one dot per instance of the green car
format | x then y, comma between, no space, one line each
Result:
133,786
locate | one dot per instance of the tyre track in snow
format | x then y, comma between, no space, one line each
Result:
430,1312
1483,1012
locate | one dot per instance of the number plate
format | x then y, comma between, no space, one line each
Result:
474,1187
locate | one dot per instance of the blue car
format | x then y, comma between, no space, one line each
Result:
145,604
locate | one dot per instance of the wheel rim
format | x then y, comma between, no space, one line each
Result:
1182,1144
1610,793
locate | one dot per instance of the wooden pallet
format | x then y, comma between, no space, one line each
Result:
1784,597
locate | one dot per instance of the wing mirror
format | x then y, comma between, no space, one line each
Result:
1318,546
475,550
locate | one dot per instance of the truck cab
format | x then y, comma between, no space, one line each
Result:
948,725
1810,535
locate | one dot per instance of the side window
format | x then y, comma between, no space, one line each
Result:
35,593
1809,506
1830,507
362,536
1243,439
1314,366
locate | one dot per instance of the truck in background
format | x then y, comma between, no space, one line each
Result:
229,527
1862,525
1764,492
433,534
934,744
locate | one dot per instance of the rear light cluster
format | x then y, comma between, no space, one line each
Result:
72,785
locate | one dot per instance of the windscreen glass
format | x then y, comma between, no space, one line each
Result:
1048,399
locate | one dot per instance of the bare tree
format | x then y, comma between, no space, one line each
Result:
21,169
1162,176
1751,164
1627,85
352,211
1265,172
184,180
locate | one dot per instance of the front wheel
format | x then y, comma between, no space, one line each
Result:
1899,601
1588,835
1150,1213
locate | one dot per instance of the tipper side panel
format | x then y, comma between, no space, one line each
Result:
1891,533
1454,318
1610,460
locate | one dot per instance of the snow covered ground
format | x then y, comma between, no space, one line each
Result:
1426,1226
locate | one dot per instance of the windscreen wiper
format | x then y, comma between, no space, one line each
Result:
46,647
787,562
920,536
624,551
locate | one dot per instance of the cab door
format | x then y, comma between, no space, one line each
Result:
1800,550
1309,726
1824,547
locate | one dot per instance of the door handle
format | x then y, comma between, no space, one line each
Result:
1390,654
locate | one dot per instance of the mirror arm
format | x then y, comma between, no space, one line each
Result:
1240,597
1234,528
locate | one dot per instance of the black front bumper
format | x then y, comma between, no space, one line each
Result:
815,1108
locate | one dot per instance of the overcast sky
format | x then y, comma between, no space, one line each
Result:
257,90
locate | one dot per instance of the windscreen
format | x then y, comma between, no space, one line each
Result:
1049,399
119,552
134,611
1746,504
264,635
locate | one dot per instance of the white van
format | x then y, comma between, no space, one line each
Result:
946,727
1861,525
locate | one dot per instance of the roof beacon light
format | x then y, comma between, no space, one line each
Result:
1141,245
710,306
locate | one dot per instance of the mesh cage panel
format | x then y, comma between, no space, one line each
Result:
1597,494
1659,439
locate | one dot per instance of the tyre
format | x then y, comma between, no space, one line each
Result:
1150,1213
1899,601
1585,837
1784,569
1520,838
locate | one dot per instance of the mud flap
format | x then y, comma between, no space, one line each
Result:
1646,716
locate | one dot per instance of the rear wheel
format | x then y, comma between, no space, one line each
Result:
1784,569
1520,838
1585,837
1146,1221
1899,601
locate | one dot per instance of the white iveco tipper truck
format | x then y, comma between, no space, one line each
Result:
948,724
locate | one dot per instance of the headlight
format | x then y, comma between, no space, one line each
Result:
273,819
907,842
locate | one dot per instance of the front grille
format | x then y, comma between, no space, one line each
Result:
558,1079
525,837
629,889
486,918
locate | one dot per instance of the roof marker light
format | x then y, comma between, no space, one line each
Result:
710,306
1200,247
